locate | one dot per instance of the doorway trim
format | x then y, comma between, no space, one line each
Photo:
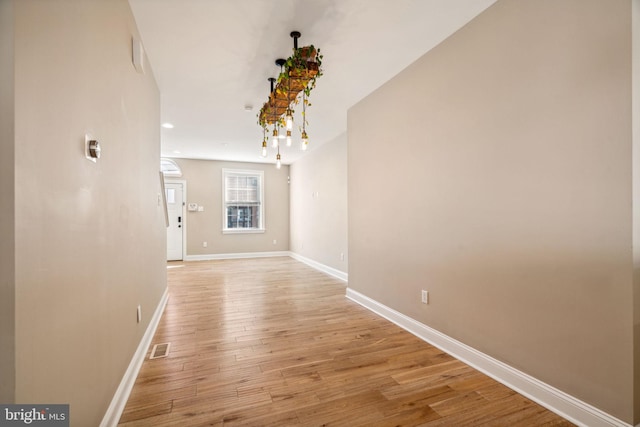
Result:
184,216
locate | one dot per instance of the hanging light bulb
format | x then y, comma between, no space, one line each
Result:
278,164
289,138
304,141
272,80
289,119
275,135
264,141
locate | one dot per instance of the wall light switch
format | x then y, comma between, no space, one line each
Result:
91,148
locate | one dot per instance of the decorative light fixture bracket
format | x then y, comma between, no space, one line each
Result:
295,35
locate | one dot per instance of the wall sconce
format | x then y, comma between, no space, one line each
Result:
91,148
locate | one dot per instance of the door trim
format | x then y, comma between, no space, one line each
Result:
184,216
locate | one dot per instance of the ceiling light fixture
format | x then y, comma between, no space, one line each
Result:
298,74
272,80
304,139
264,142
280,62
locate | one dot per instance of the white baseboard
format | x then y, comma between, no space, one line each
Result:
112,416
565,405
210,257
321,267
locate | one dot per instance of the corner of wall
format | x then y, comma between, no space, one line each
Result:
635,108
318,203
7,202
119,401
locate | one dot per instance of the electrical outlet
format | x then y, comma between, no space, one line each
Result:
425,297
275,242
139,314
204,244
342,257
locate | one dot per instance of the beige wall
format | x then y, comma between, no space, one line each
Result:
90,237
7,242
319,204
204,187
495,173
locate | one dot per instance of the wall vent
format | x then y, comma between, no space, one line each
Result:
160,350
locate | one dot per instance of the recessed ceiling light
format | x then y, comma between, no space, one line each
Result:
167,125
176,151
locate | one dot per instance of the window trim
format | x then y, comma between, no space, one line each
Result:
246,172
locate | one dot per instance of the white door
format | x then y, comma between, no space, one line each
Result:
175,208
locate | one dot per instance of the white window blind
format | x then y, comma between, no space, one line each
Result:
242,188
243,207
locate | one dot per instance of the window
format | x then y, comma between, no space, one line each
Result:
243,207
170,168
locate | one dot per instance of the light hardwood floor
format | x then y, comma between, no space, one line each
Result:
272,342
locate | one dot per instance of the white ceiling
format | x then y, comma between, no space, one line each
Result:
211,58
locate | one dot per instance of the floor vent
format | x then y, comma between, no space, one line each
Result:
160,350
